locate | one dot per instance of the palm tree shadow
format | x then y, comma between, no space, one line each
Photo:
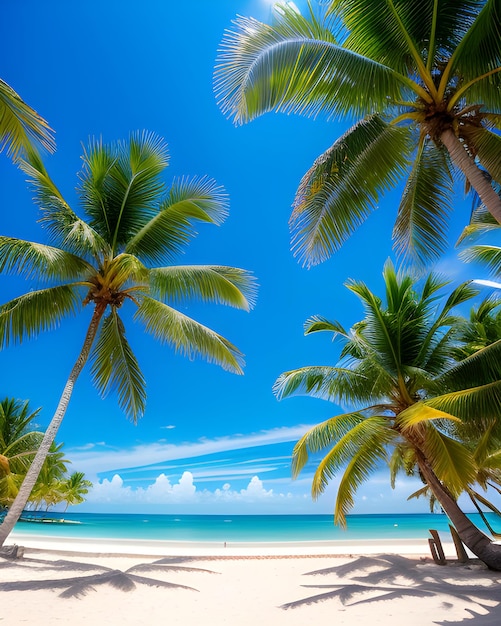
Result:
387,577
81,584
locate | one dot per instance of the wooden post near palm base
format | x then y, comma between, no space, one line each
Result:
458,544
437,551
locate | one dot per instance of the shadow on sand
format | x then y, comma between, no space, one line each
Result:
77,579
386,577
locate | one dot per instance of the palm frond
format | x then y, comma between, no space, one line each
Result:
477,54
187,336
115,368
361,449
487,255
21,128
317,323
121,185
483,366
296,66
472,406
395,32
482,221
189,200
126,268
335,384
420,412
28,315
343,186
420,230
36,260
451,461
321,436
210,283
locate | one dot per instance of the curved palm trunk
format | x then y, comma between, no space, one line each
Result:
472,537
17,507
474,175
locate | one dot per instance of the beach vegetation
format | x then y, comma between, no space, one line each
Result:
420,81
21,128
417,407
20,439
118,252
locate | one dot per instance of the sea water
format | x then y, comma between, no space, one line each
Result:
238,528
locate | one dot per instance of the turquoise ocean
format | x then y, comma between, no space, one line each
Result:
238,528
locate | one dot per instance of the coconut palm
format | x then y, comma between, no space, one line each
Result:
48,487
21,128
113,257
19,441
421,79
75,488
397,366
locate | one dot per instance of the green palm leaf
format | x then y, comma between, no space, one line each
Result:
490,256
488,148
20,126
210,283
115,368
36,260
361,450
187,336
296,66
451,461
421,226
478,53
121,184
25,317
321,436
317,323
336,384
165,235
471,405
483,366
331,202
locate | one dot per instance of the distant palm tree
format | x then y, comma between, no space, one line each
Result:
21,128
423,80
19,441
75,488
111,259
48,489
397,365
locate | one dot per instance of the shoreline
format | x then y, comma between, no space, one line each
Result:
140,547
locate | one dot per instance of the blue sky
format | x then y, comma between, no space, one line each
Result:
210,441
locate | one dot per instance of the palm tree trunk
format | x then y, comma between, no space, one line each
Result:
472,537
17,507
473,174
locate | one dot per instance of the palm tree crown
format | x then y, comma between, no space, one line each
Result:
422,78
398,366
106,260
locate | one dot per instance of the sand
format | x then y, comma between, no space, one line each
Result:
63,582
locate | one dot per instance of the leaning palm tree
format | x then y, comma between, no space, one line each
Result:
422,80
397,366
21,128
110,258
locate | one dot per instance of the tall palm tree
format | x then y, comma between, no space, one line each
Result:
397,366
422,80
19,441
21,128
110,258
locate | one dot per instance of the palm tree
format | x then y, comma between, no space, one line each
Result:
21,128
106,261
397,365
48,488
75,488
422,80
19,441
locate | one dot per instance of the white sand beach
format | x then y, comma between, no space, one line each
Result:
61,582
